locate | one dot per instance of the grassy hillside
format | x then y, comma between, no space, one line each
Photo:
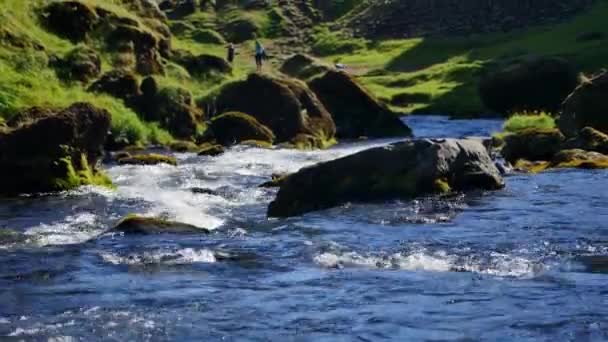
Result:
441,76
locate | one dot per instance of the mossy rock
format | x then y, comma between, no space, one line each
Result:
581,159
286,106
207,36
355,110
209,149
256,144
148,159
73,20
201,65
118,83
235,127
406,99
276,180
587,106
589,139
303,66
532,84
139,225
55,152
183,146
240,30
80,64
532,144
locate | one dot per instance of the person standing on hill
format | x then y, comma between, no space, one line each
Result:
231,52
260,54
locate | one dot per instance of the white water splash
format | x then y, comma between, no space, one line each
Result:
500,265
180,257
73,229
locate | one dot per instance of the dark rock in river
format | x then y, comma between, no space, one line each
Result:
54,152
234,127
356,112
401,170
532,144
209,149
284,105
538,83
589,139
586,106
581,159
134,225
148,159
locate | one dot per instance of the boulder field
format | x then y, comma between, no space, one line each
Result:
53,150
401,170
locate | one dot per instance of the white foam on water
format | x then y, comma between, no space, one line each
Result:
497,264
73,229
179,257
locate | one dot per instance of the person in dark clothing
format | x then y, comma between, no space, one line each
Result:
260,54
231,53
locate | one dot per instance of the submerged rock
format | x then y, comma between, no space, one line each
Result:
148,159
234,127
532,144
539,83
586,106
401,170
57,151
286,106
356,112
136,225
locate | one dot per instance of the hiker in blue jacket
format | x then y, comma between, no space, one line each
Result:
260,54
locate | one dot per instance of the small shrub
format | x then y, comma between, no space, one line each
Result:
527,120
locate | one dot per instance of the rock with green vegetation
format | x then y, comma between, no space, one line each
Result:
356,112
256,144
118,83
532,84
183,146
139,225
401,170
577,158
303,66
209,149
31,114
73,20
240,30
234,127
532,144
589,139
58,151
81,64
145,8
208,36
172,107
201,64
146,47
286,106
586,106
147,159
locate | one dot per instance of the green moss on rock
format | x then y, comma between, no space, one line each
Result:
209,149
138,225
148,159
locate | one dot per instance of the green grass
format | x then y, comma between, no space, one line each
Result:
448,70
521,122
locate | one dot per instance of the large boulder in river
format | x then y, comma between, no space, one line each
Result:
532,144
534,84
589,139
356,112
54,152
286,106
586,106
234,127
401,170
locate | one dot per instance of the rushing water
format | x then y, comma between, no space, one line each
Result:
526,263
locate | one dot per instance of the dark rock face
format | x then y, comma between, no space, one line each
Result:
586,106
286,106
303,66
589,139
536,84
234,127
55,151
71,19
81,64
146,47
201,64
401,19
532,145
355,111
117,83
401,170
138,225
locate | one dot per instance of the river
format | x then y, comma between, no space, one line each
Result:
529,262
